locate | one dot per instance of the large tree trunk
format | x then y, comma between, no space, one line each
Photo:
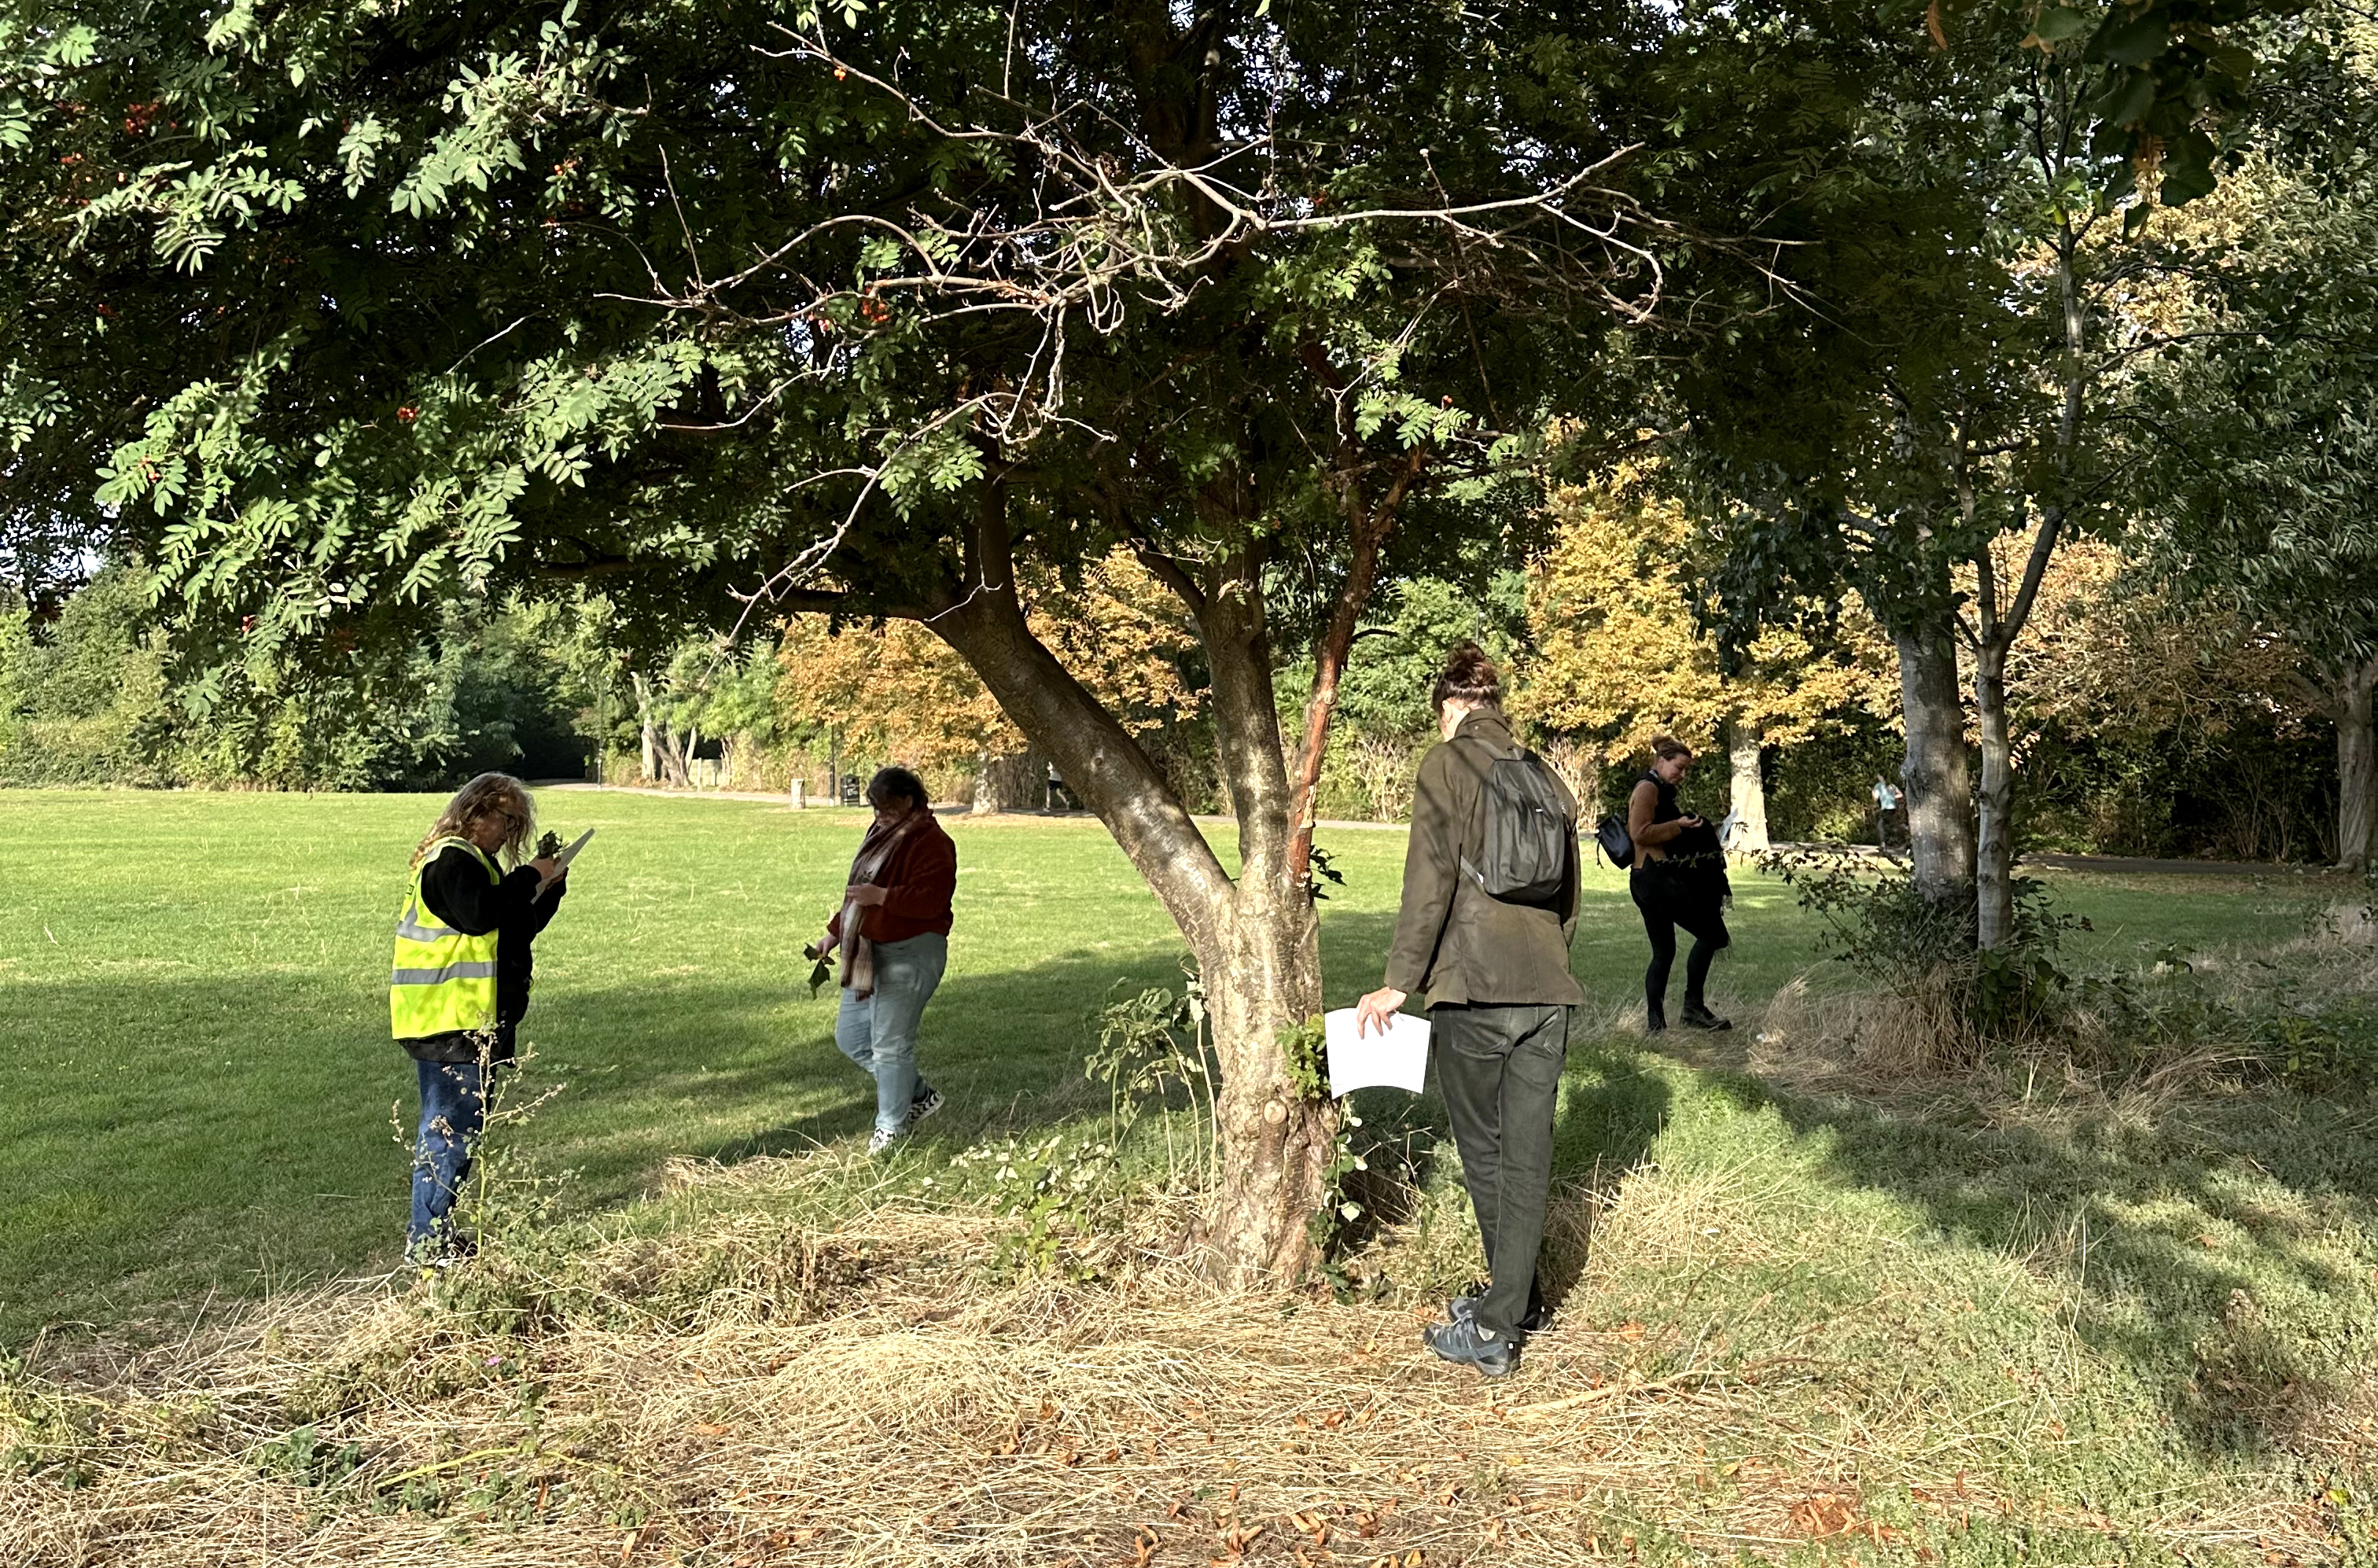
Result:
1936,777
1275,1142
2357,765
1749,790
1255,936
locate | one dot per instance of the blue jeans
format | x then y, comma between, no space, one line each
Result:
878,1033
453,1106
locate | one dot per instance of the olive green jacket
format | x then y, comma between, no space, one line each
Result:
1454,941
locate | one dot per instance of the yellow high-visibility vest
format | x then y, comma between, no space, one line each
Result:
443,979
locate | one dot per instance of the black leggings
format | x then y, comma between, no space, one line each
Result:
1662,913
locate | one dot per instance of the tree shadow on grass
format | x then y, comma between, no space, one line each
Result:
1005,1049
128,1180
2206,1239
208,1134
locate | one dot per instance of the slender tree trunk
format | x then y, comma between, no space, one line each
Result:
1994,844
2357,766
1255,936
1749,791
1367,526
644,723
1937,776
1994,841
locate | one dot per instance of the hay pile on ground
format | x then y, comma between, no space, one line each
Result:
755,1389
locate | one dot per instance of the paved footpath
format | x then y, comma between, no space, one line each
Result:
955,809
2109,864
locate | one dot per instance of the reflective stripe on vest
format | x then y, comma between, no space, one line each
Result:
409,926
441,980
465,971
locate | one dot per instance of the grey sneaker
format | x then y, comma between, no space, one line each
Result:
1462,1309
1461,1343
923,1105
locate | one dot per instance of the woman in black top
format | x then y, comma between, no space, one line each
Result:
1680,879
493,812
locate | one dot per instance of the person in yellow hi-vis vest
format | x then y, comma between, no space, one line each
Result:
459,983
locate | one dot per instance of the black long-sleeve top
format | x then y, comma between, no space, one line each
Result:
456,889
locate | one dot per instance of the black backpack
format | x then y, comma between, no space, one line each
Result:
1617,846
1527,833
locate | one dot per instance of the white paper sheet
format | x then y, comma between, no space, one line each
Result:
1397,1059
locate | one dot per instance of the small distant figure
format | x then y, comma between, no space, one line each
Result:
459,986
1060,794
894,931
1886,801
1678,879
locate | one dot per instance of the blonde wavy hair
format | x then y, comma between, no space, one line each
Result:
486,796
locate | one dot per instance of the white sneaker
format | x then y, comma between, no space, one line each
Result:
878,1140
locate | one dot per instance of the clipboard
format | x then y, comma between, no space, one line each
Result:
562,862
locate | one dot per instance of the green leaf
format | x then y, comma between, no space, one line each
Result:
2058,23
2127,102
2135,41
2234,60
2187,169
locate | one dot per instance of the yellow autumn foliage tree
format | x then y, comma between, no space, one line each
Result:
898,692
1619,660
2102,654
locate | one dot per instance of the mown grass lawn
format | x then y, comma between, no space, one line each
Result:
197,1091
2140,1318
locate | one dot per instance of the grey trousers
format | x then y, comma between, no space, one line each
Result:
1499,1068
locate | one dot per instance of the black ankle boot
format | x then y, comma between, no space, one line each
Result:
1699,1017
1655,1020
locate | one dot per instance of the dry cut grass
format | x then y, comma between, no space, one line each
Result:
751,1390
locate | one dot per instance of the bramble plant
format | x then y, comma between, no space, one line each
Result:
1147,1045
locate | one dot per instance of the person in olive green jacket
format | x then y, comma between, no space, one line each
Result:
1497,982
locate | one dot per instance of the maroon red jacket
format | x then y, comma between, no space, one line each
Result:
918,886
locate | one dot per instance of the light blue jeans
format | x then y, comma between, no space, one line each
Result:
878,1033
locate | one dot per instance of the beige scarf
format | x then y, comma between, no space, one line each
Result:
875,852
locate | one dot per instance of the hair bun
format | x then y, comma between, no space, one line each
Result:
1468,675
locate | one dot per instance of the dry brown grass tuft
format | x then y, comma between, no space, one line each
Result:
1805,1037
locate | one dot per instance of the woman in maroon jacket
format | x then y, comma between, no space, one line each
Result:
894,930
